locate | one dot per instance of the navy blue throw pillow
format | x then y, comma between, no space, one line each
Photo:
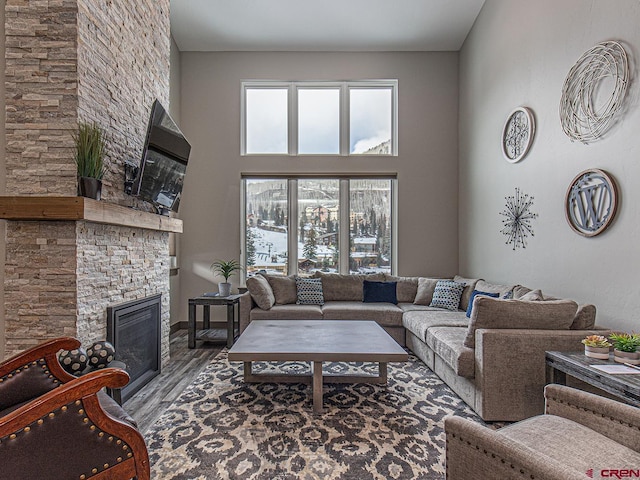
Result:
379,292
482,294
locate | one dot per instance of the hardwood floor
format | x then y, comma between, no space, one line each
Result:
184,365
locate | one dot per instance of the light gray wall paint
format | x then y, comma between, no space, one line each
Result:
519,53
175,87
426,166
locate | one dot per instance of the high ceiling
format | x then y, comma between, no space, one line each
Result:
322,25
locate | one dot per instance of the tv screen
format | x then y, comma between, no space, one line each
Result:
164,162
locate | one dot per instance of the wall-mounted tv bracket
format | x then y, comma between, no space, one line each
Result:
130,174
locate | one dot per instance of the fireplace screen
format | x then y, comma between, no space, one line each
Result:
134,330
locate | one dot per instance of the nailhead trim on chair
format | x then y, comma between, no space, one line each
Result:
85,419
40,362
588,410
493,455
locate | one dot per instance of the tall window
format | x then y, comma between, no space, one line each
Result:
319,118
301,225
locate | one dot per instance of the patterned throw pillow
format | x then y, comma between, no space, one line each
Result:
447,295
309,291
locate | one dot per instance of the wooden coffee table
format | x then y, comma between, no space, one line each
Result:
316,341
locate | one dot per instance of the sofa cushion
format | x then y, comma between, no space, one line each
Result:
497,313
570,443
261,292
501,290
379,292
470,286
425,289
477,293
585,318
337,287
288,312
447,343
284,288
407,287
385,314
418,322
309,291
447,295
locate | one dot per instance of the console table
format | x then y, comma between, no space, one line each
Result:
577,364
212,334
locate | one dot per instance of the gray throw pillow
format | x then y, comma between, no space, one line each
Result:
261,292
497,313
424,293
284,289
585,318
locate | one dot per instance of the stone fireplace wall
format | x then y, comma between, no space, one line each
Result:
88,60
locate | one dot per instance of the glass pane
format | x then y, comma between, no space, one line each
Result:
370,121
266,120
370,226
318,121
318,225
266,226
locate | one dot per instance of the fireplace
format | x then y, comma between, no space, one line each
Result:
134,329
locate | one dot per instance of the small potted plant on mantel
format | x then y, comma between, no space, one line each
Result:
596,346
226,269
90,149
625,347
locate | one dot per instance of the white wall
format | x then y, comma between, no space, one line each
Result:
426,165
175,88
519,53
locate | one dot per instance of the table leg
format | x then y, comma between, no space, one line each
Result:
382,371
555,376
317,387
206,317
230,324
247,371
192,326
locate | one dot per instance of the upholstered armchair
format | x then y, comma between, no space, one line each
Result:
580,436
56,426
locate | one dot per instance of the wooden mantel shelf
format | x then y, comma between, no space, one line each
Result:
81,208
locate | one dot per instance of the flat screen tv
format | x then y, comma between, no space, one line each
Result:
165,155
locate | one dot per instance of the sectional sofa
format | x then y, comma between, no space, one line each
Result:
493,358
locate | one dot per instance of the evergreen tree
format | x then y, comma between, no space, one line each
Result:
251,247
310,249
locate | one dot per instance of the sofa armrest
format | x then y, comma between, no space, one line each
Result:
613,419
510,369
475,451
245,304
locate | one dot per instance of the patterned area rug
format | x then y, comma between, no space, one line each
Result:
222,428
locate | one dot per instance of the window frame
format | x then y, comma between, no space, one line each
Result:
344,220
344,109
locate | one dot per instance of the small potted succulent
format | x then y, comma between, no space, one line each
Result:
596,346
225,269
625,347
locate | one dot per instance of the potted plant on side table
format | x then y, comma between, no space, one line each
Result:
625,347
596,346
225,269
90,149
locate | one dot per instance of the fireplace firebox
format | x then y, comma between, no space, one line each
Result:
134,330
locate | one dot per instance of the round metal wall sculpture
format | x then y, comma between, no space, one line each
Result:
517,222
517,134
593,92
591,202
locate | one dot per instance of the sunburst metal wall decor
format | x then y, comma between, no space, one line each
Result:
517,219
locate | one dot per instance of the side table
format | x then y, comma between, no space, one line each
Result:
578,365
212,334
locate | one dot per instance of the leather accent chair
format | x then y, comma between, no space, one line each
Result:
580,435
56,426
